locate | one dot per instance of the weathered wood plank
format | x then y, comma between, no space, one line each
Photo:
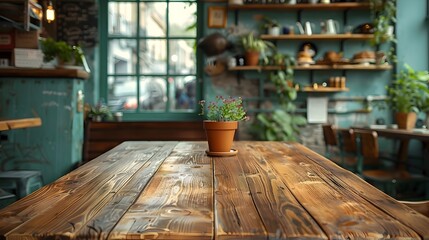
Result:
235,214
46,197
71,213
356,185
103,222
176,204
354,217
281,213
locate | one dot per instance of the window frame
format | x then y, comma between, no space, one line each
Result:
135,115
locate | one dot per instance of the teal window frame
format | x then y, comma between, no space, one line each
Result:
137,115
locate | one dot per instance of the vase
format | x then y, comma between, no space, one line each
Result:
220,135
252,58
406,120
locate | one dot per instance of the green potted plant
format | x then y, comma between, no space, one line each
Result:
254,47
271,26
63,52
283,123
406,95
222,115
99,112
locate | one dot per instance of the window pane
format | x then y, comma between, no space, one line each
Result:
152,19
183,93
153,56
122,19
153,94
182,19
122,93
122,57
182,57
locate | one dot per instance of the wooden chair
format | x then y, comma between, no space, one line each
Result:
331,143
373,169
347,146
418,206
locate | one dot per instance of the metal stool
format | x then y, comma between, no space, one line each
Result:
21,181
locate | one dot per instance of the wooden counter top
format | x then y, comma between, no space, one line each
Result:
43,73
9,124
173,190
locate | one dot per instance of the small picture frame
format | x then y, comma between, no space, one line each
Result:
217,17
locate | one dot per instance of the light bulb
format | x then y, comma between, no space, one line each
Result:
50,13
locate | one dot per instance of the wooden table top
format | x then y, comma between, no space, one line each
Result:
173,190
402,134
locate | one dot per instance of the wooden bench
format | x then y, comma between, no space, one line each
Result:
103,136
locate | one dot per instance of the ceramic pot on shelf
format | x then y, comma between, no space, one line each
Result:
251,58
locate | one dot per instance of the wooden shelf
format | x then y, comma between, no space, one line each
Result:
324,89
319,37
307,6
9,124
315,67
43,73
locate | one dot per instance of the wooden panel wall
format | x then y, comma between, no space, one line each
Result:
103,136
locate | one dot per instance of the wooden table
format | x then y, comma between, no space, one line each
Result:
404,136
173,190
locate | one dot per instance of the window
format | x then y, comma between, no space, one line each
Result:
148,59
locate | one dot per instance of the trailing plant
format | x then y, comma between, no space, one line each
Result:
283,124
383,13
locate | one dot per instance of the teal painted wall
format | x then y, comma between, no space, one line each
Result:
412,32
54,148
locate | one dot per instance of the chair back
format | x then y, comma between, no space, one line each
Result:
347,140
419,206
329,135
367,146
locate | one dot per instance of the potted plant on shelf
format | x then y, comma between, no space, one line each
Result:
406,96
254,47
271,26
99,112
65,54
222,116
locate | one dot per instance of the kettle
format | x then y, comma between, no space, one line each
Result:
330,26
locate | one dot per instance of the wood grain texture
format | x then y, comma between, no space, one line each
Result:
173,190
177,203
353,217
281,213
69,213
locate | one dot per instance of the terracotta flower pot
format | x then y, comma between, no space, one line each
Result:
252,58
406,120
220,135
